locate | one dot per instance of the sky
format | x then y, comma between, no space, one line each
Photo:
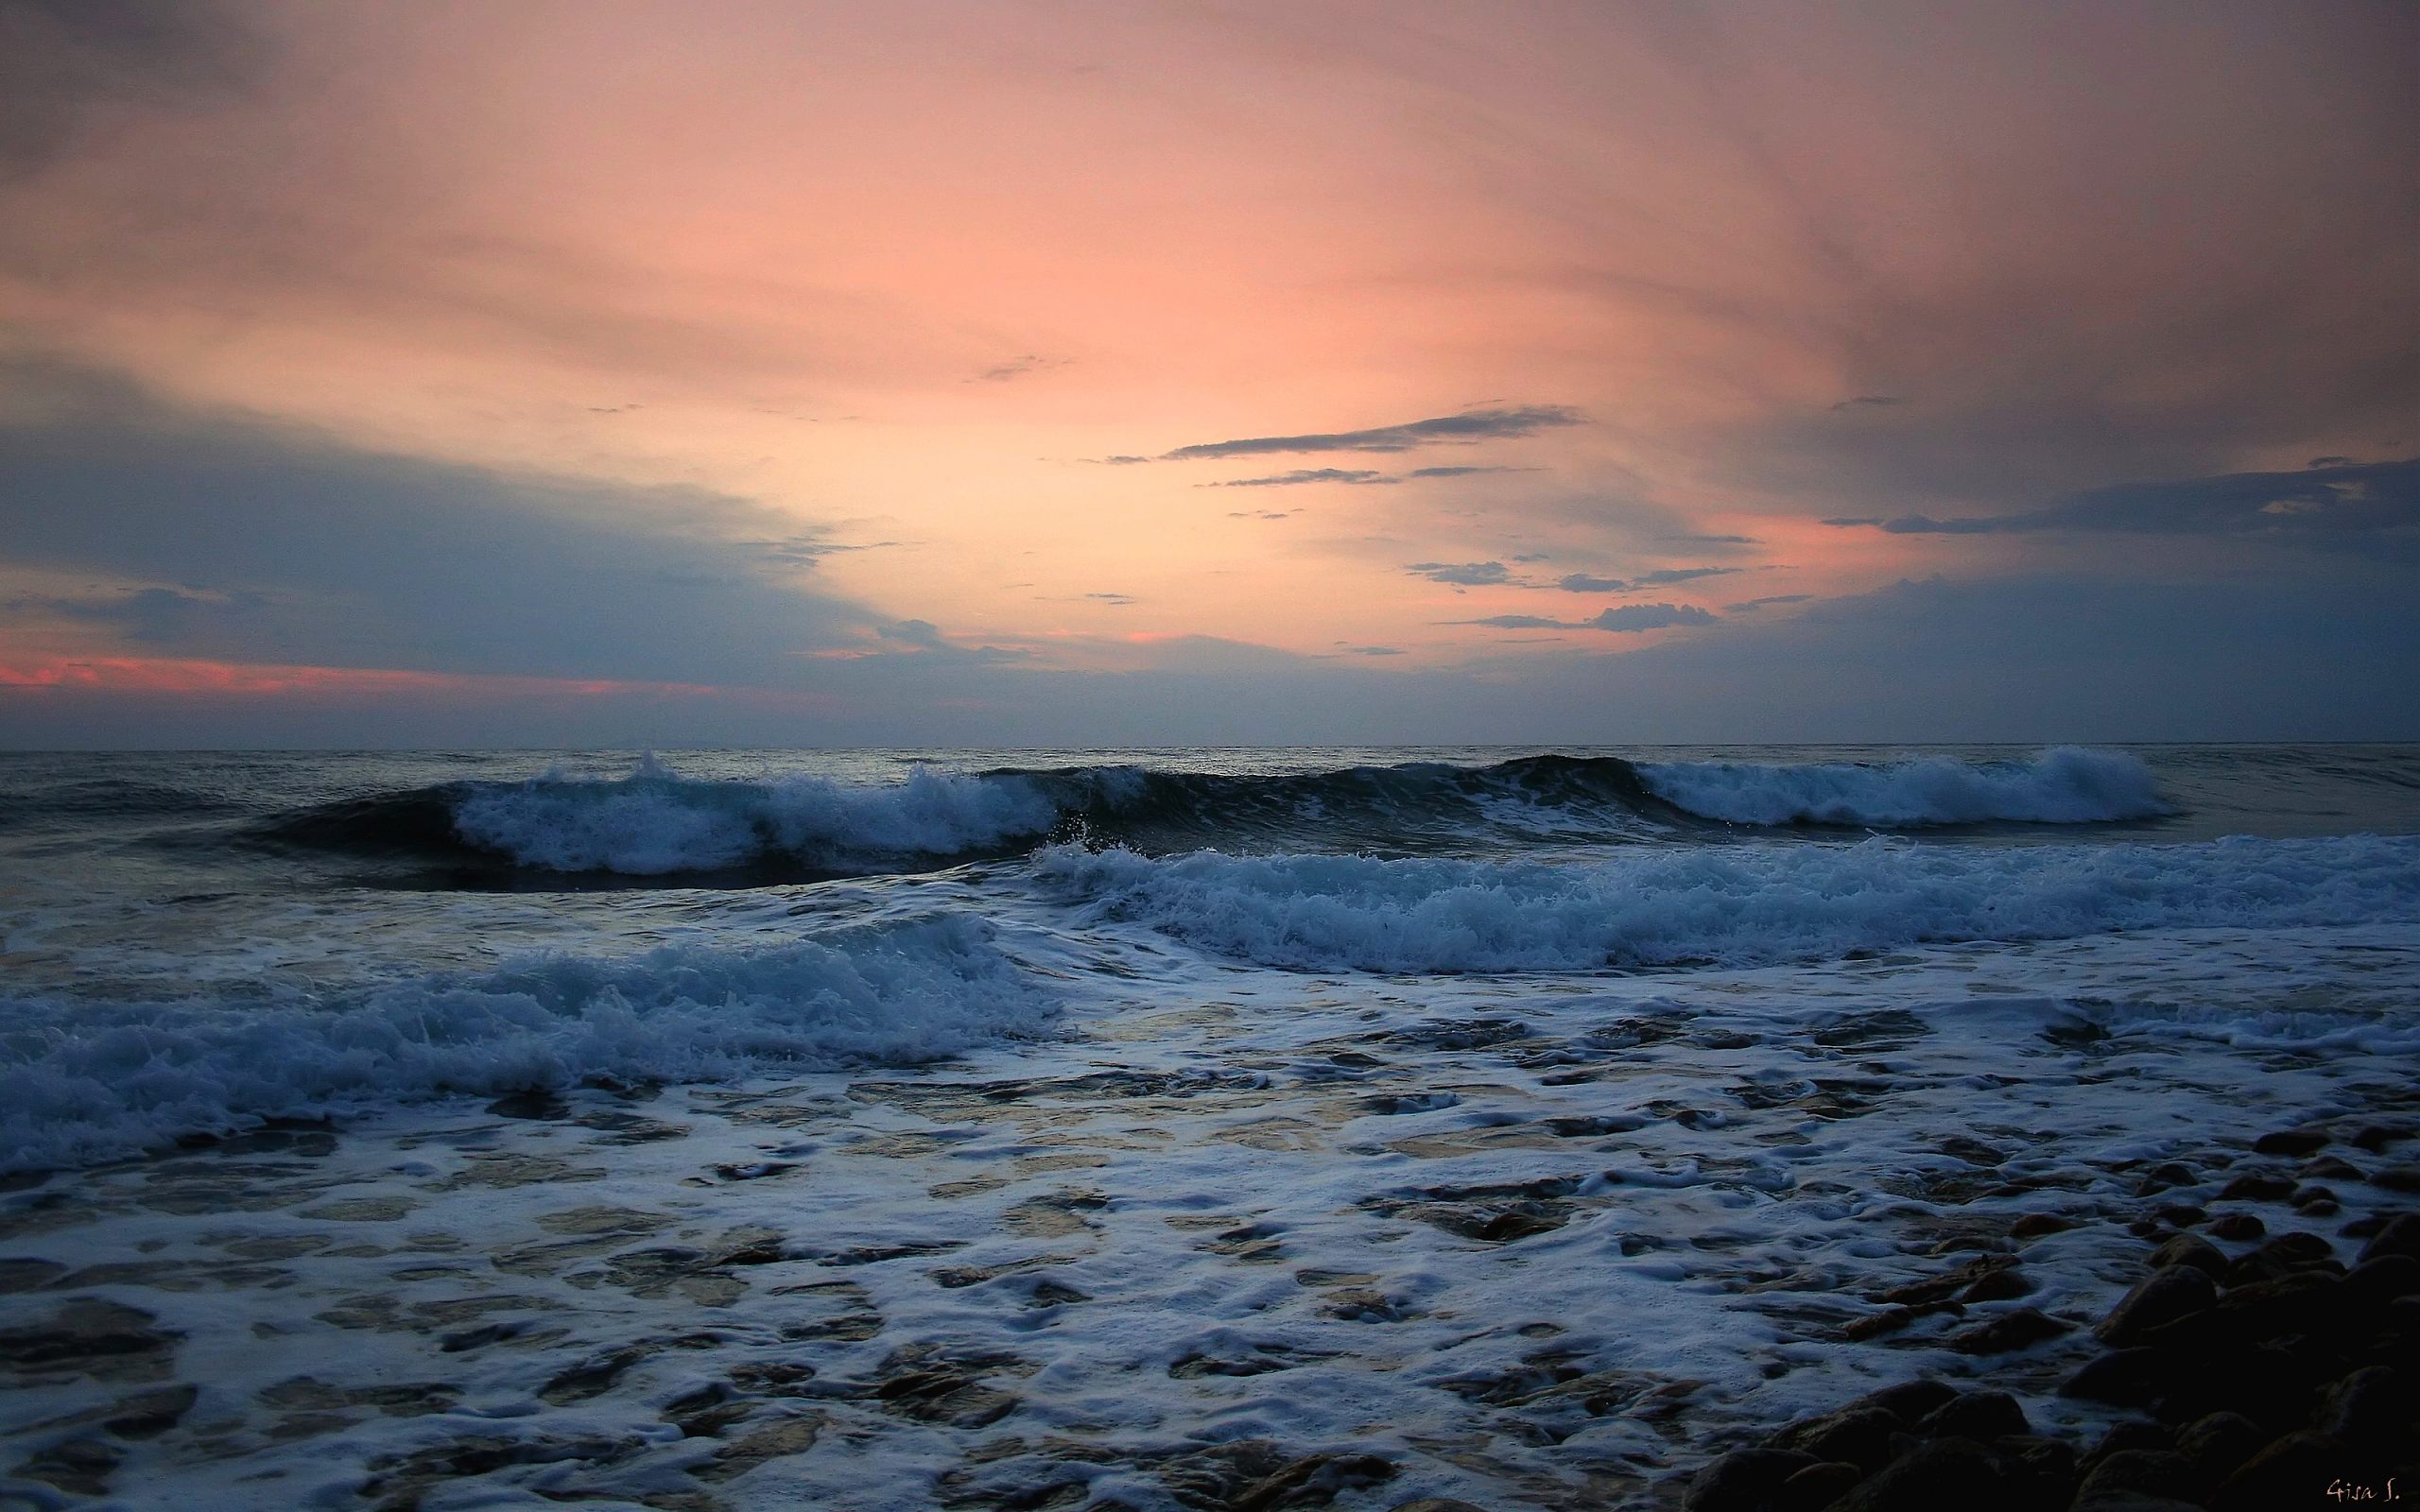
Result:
1007,373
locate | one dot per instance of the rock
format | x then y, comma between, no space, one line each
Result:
2328,1168
2041,1472
1743,1480
2160,1177
2142,1471
2255,1186
1999,1286
1909,1400
2036,1225
2164,1295
2396,1177
2021,1329
2376,1137
1313,1480
2375,1282
2129,1436
1817,1486
2302,1141
2189,1249
2182,1215
1875,1325
1860,1435
1941,1288
2273,1384
2122,1378
2237,1226
2401,1236
1981,1415
2372,1408
2292,1471
2219,1444
2302,1303
1947,1472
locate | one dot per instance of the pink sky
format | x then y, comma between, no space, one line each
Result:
897,280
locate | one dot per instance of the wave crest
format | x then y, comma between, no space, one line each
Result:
82,1082
2066,785
1743,905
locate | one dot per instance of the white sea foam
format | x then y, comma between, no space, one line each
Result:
1740,905
656,822
2066,786
81,1081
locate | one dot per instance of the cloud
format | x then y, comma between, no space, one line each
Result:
72,67
1462,574
1362,476
1356,478
1627,619
1751,605
1663,577
1260,514
1870,402
236,542
1374,650
2342,501
1016,368
1119,600
1470,426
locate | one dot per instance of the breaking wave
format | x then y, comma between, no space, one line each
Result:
81,1081
1742,904
656,823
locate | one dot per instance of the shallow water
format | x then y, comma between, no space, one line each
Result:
1515,1132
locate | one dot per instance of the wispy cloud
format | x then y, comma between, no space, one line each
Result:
1870,402
1463,429
1462,574
1628,619
2341,500
1357,477
1663,577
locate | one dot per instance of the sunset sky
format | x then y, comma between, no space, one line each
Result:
1068,375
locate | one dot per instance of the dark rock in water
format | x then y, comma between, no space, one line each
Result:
2036,1225
2021,1329
2129,1437
2189,1249
2219,1444
2041,1472
1909,1400
2164,1295
1817,1487
2401,1236
105,1340
2294,1472
1999,1286
2292,1140
1948,1283
2273,1384
1947,1473
2281,1256
2141,1472
2182,1215
80,1467
2122,1378
1744,1480
1982,1416
2376,1137
2374,1283
2237,1226
2160,1177
2256,1186
2328,1168
1860,1435
2372,1408
2396,1177
1875,1325
531,1103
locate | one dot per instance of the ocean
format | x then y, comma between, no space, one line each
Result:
1144,1129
